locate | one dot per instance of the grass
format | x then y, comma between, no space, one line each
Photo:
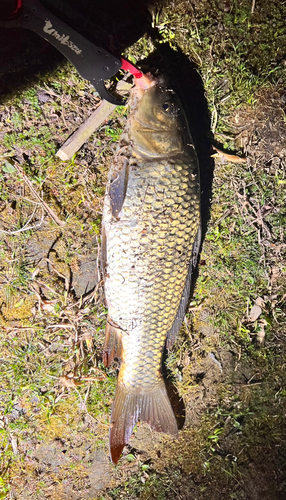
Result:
54,389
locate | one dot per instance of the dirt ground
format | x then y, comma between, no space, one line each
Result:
226,372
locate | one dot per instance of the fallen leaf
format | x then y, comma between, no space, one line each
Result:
228,157
20,303
95,379
259,301
260,335
67,382
89,343
47,306
14,444
254,313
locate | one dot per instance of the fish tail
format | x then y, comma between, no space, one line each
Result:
152,406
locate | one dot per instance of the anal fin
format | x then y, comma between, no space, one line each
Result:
113,344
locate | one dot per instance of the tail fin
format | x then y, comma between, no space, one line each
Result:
128,408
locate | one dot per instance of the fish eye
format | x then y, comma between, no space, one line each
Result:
166,106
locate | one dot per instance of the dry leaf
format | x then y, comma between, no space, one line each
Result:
228,157
47,306
14,444
254,313
95,379
89,343
260,335
259,301
67,382
256,310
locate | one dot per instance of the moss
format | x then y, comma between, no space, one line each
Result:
18,308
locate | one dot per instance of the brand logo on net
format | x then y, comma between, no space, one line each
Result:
63,39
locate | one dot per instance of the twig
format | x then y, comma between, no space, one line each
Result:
214,119
15,328
67,285
251,378
253,7
63,112
195,22
42,202
61,325
226,214
82,134
187,326
250,385
26,227
88,297
41,283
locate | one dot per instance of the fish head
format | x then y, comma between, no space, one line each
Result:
157,126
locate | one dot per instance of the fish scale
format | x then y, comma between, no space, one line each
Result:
149,247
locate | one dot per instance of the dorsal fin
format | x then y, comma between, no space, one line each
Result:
174,331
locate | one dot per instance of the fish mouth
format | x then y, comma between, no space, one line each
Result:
146,81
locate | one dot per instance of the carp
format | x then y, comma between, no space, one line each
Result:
150,244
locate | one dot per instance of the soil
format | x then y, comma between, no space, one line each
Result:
261,472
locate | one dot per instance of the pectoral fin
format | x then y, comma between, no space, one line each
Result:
118,187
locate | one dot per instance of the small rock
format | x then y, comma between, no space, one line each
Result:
212,356
50,454
43,97
85,278
100,472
